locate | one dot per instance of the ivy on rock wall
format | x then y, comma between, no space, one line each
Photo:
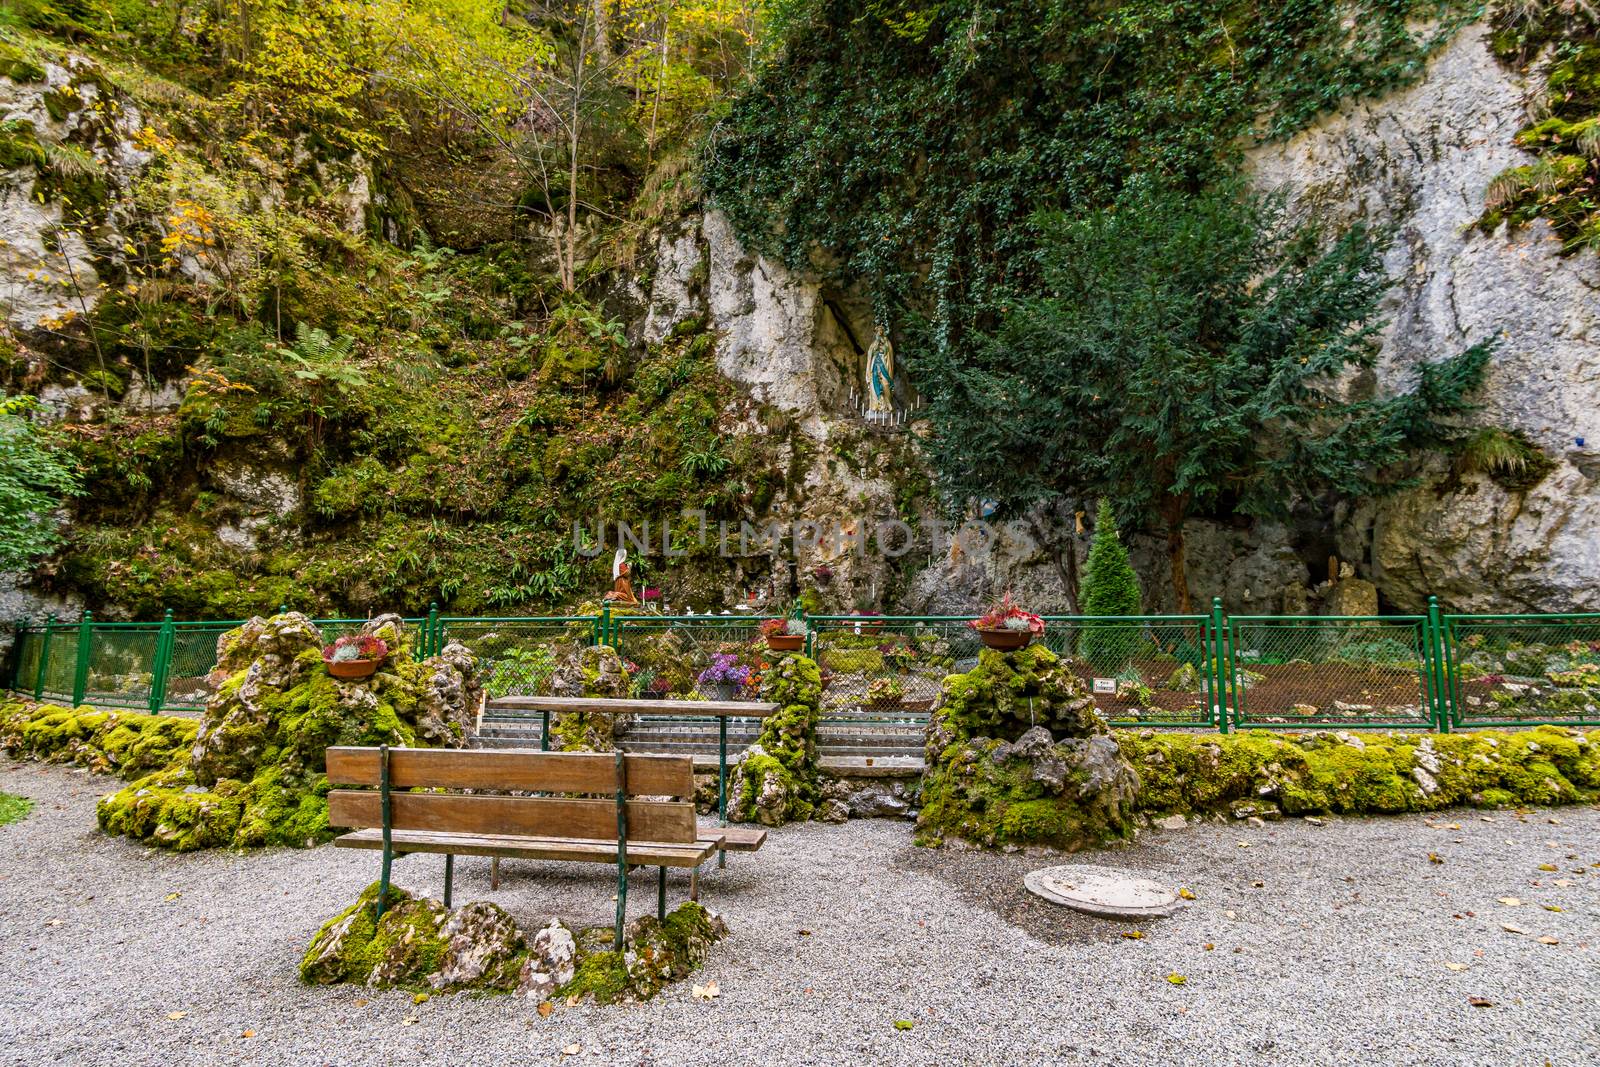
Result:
910,146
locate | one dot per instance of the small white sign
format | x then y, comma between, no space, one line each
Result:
1105,685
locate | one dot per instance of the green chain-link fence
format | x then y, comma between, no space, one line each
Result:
1428,671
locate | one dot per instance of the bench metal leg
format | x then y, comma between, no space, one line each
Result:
388,852
694,883
494,872
661,896
722,783
449,876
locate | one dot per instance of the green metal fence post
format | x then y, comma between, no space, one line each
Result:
1219,674
80,675
162,667
432,642
44,657
1439,680
283,609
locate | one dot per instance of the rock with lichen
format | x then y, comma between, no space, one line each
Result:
255,774
595,671
1017,754
775,780
422,945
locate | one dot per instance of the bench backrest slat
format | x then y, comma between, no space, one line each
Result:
514,769
656,821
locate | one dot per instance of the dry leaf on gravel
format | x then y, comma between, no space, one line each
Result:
1185,892
1548,940
1133,935
545,1008
1513,928
572,1049
1176,979
1511,902
709,991
1480,1002
176,1015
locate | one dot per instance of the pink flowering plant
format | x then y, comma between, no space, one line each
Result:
355,647
1004,614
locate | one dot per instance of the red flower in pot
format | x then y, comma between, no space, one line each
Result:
355,656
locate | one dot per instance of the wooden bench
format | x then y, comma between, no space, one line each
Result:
736,838
633,825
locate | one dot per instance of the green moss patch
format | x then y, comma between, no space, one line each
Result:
1366,774
126,743
776,781
421,945
13,808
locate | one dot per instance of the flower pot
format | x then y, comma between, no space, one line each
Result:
786,642
1005,640
352,668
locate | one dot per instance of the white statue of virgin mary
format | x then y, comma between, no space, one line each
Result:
880,376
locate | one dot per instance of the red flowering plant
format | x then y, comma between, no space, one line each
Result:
1004,614
355,648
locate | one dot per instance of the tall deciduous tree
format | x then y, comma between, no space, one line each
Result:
1190,354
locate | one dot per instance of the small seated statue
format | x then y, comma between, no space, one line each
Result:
621,588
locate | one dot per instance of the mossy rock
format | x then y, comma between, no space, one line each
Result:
775,781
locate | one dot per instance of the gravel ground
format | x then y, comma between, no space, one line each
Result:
1330,946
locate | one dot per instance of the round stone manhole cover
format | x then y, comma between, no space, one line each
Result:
1102,891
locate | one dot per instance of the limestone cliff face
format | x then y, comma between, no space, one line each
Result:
1420,162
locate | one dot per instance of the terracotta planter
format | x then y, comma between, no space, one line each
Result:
786,642
1005,640
352,668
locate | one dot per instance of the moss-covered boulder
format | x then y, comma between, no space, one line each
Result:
255,773
1367,774
775,780
596,671
1017,754
424,946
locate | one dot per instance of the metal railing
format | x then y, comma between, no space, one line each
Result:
1416,672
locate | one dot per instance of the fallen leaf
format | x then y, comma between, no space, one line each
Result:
409,1020
248,1033
1244,844
361,1002
1548,940
1511,902
172,896
52,922
545,1008
420,998
176,1015
1208,946
709,991
1456,966
1512,928
902,1024
572,1001
1562,883
1434,857
1552,907
1548,867
1480,1002
1133,935
1230,914
1176,979
803,933
1260,885
572,1049
1185,893
1454,826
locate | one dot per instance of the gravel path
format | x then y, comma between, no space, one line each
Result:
1335,952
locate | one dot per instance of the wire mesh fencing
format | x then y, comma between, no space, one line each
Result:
885,674
715,657
1506,670
517,656
1351,672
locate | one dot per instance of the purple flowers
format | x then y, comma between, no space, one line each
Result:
725,669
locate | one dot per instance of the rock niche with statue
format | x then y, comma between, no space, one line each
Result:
1017,754
256,774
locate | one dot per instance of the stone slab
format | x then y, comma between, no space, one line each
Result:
1103,891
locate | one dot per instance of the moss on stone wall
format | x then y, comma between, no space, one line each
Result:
1366,774
125,743
775,781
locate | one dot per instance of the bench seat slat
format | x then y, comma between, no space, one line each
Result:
647,853
662,821
509,769
740,838
734,709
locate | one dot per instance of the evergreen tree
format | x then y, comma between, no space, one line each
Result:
1193,354
1110,587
